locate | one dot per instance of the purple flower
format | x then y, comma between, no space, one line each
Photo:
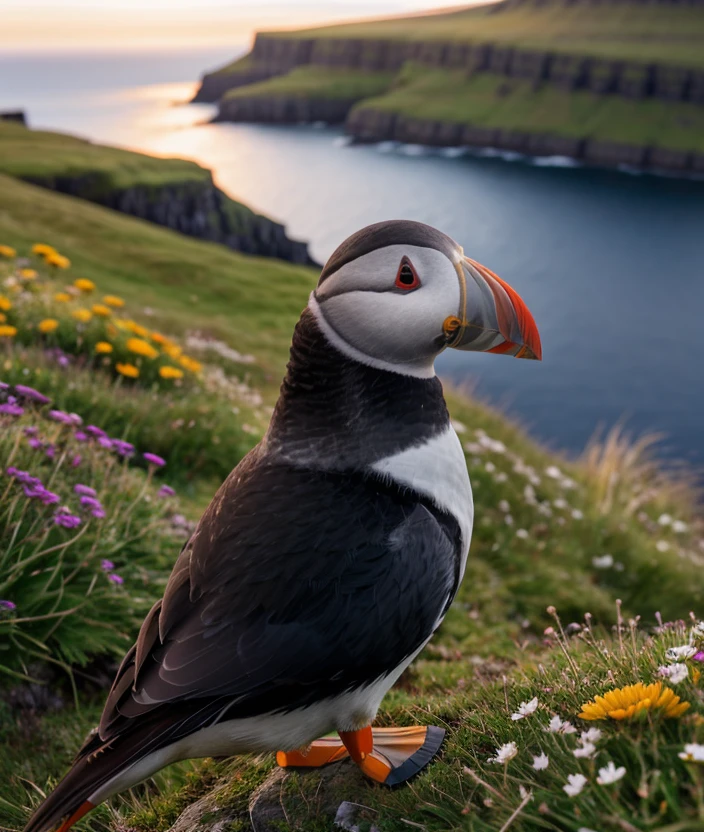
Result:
153,459
116,579
24,477
81,436
85,490
107,565
4,386
50,451
31,431
122,448
179,521
76,461
95,431
63,360
61,416
105,442
31,393
698,657
36,443
166,491
11,409
90,503
38,492
68,521
7,605
98,512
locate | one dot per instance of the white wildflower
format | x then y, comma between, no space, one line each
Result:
522,533
508,519
685,651
505,753
662,546
490,467
526,709
577,514
679,527
554,472
585,751
693,753
524,793
585,829
665,520
557,726
575,784
610,774
501,477
529,495
504,506
541,761
603,561
674,673
544,509
592,735
473,448
698,629
567,483
560,503
458,426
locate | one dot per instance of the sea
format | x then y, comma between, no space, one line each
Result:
611,263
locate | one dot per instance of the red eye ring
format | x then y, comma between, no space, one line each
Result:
406,276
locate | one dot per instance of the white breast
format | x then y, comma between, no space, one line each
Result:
437,469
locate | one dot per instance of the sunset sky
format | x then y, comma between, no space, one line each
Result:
116,24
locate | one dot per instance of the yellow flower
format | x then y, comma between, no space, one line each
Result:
28,274
3,318
140,347
101,311
128,370
170,372
8,331
48,325
57,260
84,285
42,249
7,251
113,300
82,315
141,331
62,297
158,338
190,364
5,304
632,700
111,330
103,347
172,350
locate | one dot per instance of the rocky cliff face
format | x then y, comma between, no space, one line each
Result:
369,125
196,208
272,55
284,110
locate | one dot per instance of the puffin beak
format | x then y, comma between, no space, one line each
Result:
492,316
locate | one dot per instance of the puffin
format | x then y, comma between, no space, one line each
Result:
332,552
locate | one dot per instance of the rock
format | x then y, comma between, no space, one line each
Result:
613,154
280,109
206,815
14,115
677,160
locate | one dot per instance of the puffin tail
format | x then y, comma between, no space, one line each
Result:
68,803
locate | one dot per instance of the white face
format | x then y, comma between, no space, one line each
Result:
393,315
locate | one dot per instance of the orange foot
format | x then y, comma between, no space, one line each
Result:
388,755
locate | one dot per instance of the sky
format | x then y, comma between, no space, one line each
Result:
116,24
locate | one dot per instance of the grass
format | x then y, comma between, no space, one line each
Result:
669,34
318,82
45,155
574,535
492,101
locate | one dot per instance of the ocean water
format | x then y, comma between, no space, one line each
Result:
611,264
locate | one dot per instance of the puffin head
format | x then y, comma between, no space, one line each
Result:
396,294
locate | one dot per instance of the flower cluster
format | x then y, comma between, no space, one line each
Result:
71,321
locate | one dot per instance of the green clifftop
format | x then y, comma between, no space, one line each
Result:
617,83
172,192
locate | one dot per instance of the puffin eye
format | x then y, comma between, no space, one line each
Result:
406,277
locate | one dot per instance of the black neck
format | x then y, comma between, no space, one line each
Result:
334,412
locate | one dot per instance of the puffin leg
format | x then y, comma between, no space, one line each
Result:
387,755
397,753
